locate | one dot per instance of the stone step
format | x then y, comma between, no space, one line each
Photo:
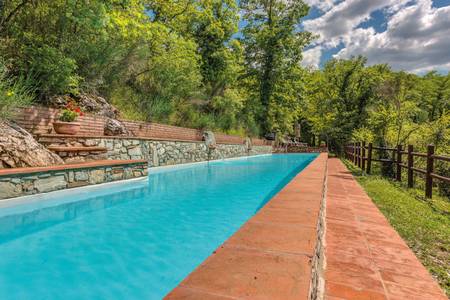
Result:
76,149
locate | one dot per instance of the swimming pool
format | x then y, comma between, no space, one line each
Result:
134,240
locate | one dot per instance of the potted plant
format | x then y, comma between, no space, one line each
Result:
66,123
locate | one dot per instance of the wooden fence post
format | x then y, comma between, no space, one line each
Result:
410,166
428,178
354,153
359,155
399,163
369,158
393,161
363,156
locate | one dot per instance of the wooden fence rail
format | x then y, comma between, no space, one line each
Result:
356,152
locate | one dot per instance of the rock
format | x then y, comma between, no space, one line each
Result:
18,149
90,143
58,101
248,144
115,127
50,184
9,190
81,176
210,139
97,176
135,151
98,105
88,103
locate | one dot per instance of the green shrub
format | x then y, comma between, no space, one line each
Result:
54,71
14,93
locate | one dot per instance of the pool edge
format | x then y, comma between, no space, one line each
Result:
286,234
44,196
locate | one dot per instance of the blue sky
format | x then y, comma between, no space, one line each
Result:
410,35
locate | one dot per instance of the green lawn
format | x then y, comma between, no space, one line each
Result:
424,224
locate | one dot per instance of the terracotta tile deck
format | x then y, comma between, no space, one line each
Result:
365,257
270,256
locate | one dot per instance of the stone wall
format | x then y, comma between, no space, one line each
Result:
42,180
164,153
159,153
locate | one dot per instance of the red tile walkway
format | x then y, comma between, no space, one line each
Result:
270,256
365,257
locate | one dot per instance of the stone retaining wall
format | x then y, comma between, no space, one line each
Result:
164,153
14,185
159,153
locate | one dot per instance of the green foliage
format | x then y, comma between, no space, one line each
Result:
55,72
14,93
68,116
349,101
341,95
362,134
273,51
184,62
70,112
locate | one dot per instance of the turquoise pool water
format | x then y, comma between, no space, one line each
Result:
134,240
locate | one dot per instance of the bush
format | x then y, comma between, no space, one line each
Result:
14,93
54,71
443,169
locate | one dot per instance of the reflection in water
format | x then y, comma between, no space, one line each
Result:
18,225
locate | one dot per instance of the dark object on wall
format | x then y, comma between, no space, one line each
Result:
270,136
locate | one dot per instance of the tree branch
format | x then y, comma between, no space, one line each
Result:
13,13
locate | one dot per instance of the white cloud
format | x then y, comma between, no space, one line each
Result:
344,17
323,5
416,38
311,57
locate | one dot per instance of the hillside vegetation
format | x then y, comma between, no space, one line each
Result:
214,64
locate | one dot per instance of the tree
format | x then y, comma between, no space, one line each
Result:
213,28
339,98
273,45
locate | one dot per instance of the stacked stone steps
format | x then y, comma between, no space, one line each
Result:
77,149
76,154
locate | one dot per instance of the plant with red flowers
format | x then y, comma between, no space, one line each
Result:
70,112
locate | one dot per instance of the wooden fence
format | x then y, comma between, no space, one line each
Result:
299,149
362,156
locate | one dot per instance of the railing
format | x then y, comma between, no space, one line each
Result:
362,156
292,148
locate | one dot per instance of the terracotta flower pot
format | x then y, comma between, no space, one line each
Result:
71,128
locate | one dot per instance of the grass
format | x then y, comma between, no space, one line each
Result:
423,223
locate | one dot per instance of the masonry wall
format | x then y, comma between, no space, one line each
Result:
158,152
14,185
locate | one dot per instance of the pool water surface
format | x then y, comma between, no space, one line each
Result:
134,240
